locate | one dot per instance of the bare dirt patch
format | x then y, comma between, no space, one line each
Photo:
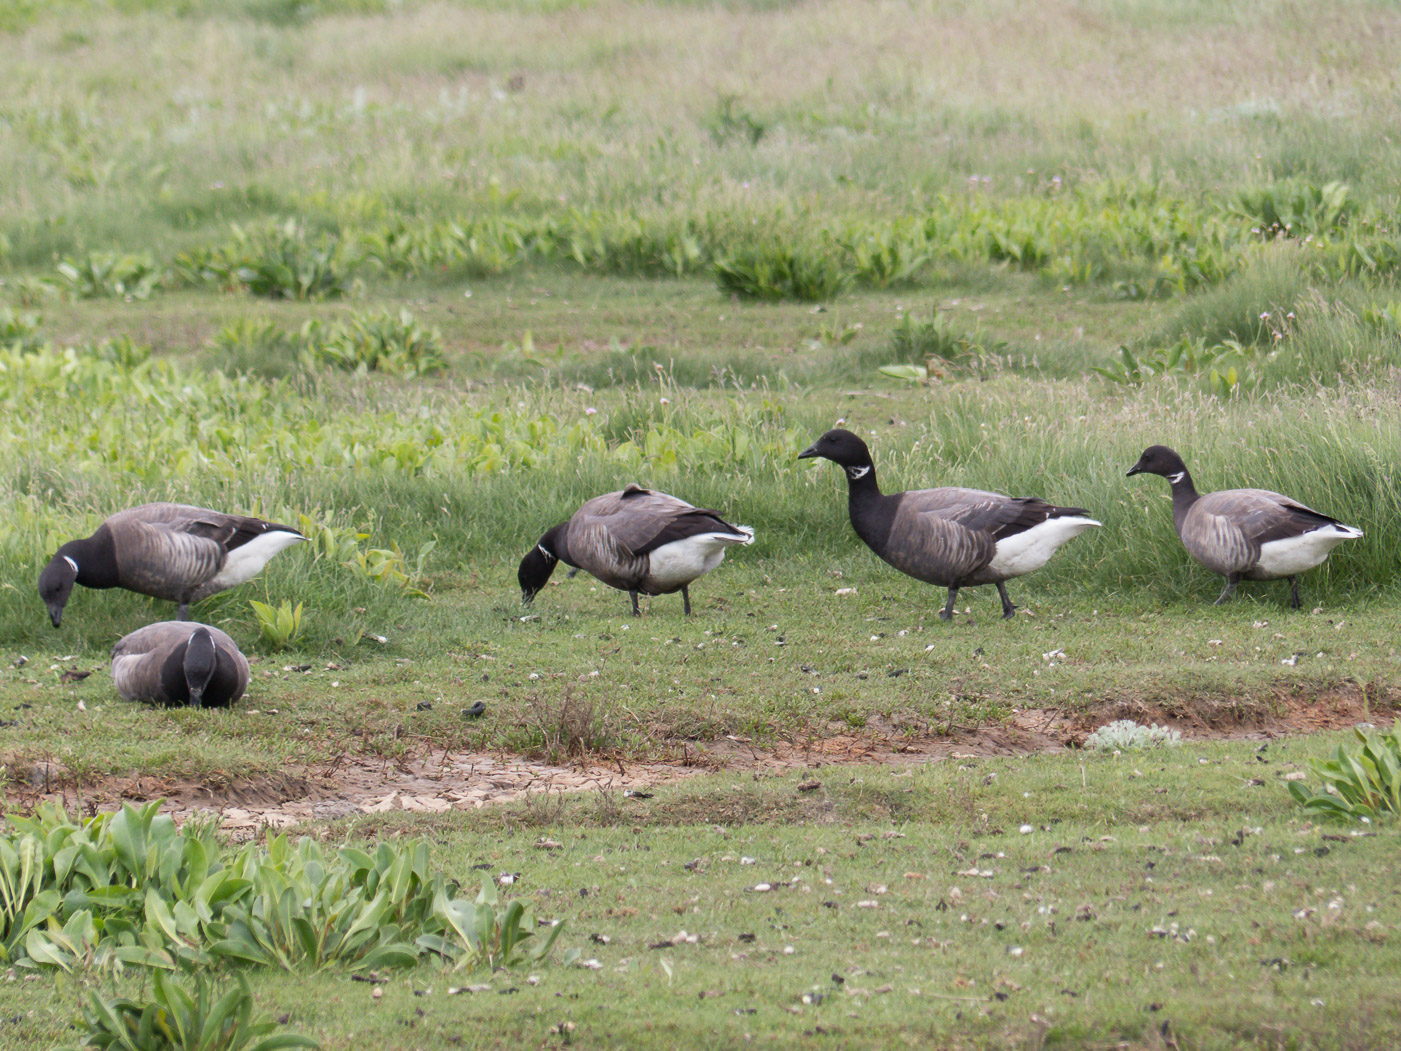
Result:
435,784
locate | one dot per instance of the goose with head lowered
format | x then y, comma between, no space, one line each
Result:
179,662
1245,534
636,540
167,551
952,537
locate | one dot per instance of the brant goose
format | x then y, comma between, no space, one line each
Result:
636,540
179,662
952,537
1250,534
169,551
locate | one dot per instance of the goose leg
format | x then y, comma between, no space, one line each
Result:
1007,608
1294,593
1232,579
947,612
686,598
183,613
635,611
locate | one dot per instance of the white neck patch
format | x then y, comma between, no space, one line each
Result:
70,562
858,472
1175,478
544,550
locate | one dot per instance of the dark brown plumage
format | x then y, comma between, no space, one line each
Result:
167,551
1245,534
179,662
952,537
636,540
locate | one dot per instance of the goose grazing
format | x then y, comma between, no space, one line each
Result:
951,537
636,540
1250,534
179,662
169,551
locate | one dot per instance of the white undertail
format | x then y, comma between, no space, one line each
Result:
1032,548
247,561
1284,558
682,561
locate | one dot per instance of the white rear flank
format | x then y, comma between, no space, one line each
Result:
1032,548
125,671
247,561
1285,558
682,561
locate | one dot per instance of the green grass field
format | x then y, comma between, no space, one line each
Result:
419,278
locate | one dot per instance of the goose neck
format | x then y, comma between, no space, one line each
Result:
1184,495
861,480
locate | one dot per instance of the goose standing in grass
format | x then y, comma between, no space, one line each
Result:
1250,534
951,537
168,551
179,662
635,540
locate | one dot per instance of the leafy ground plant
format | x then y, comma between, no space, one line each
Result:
281,626
130,889
944,346
773,271
1220,364
180,1019
110,275
1359,784
1126,735
378,342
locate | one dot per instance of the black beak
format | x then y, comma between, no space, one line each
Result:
809,453
1133,470
56,615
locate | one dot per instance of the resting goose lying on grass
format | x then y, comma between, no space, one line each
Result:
179,662
635,540
169,551
1250,534
952,537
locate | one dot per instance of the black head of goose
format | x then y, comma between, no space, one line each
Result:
951,537
168,551
1250,534
636,540
179,662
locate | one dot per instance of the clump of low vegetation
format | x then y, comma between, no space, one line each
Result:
130,889
204,1017
276,261
944,347
110,275
771,272
378,342
394,343
1222,366
20,330
1362,783
1125,735
1296,209
280,626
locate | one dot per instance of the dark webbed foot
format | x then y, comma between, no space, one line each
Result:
947,612
1231,581
1008,610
